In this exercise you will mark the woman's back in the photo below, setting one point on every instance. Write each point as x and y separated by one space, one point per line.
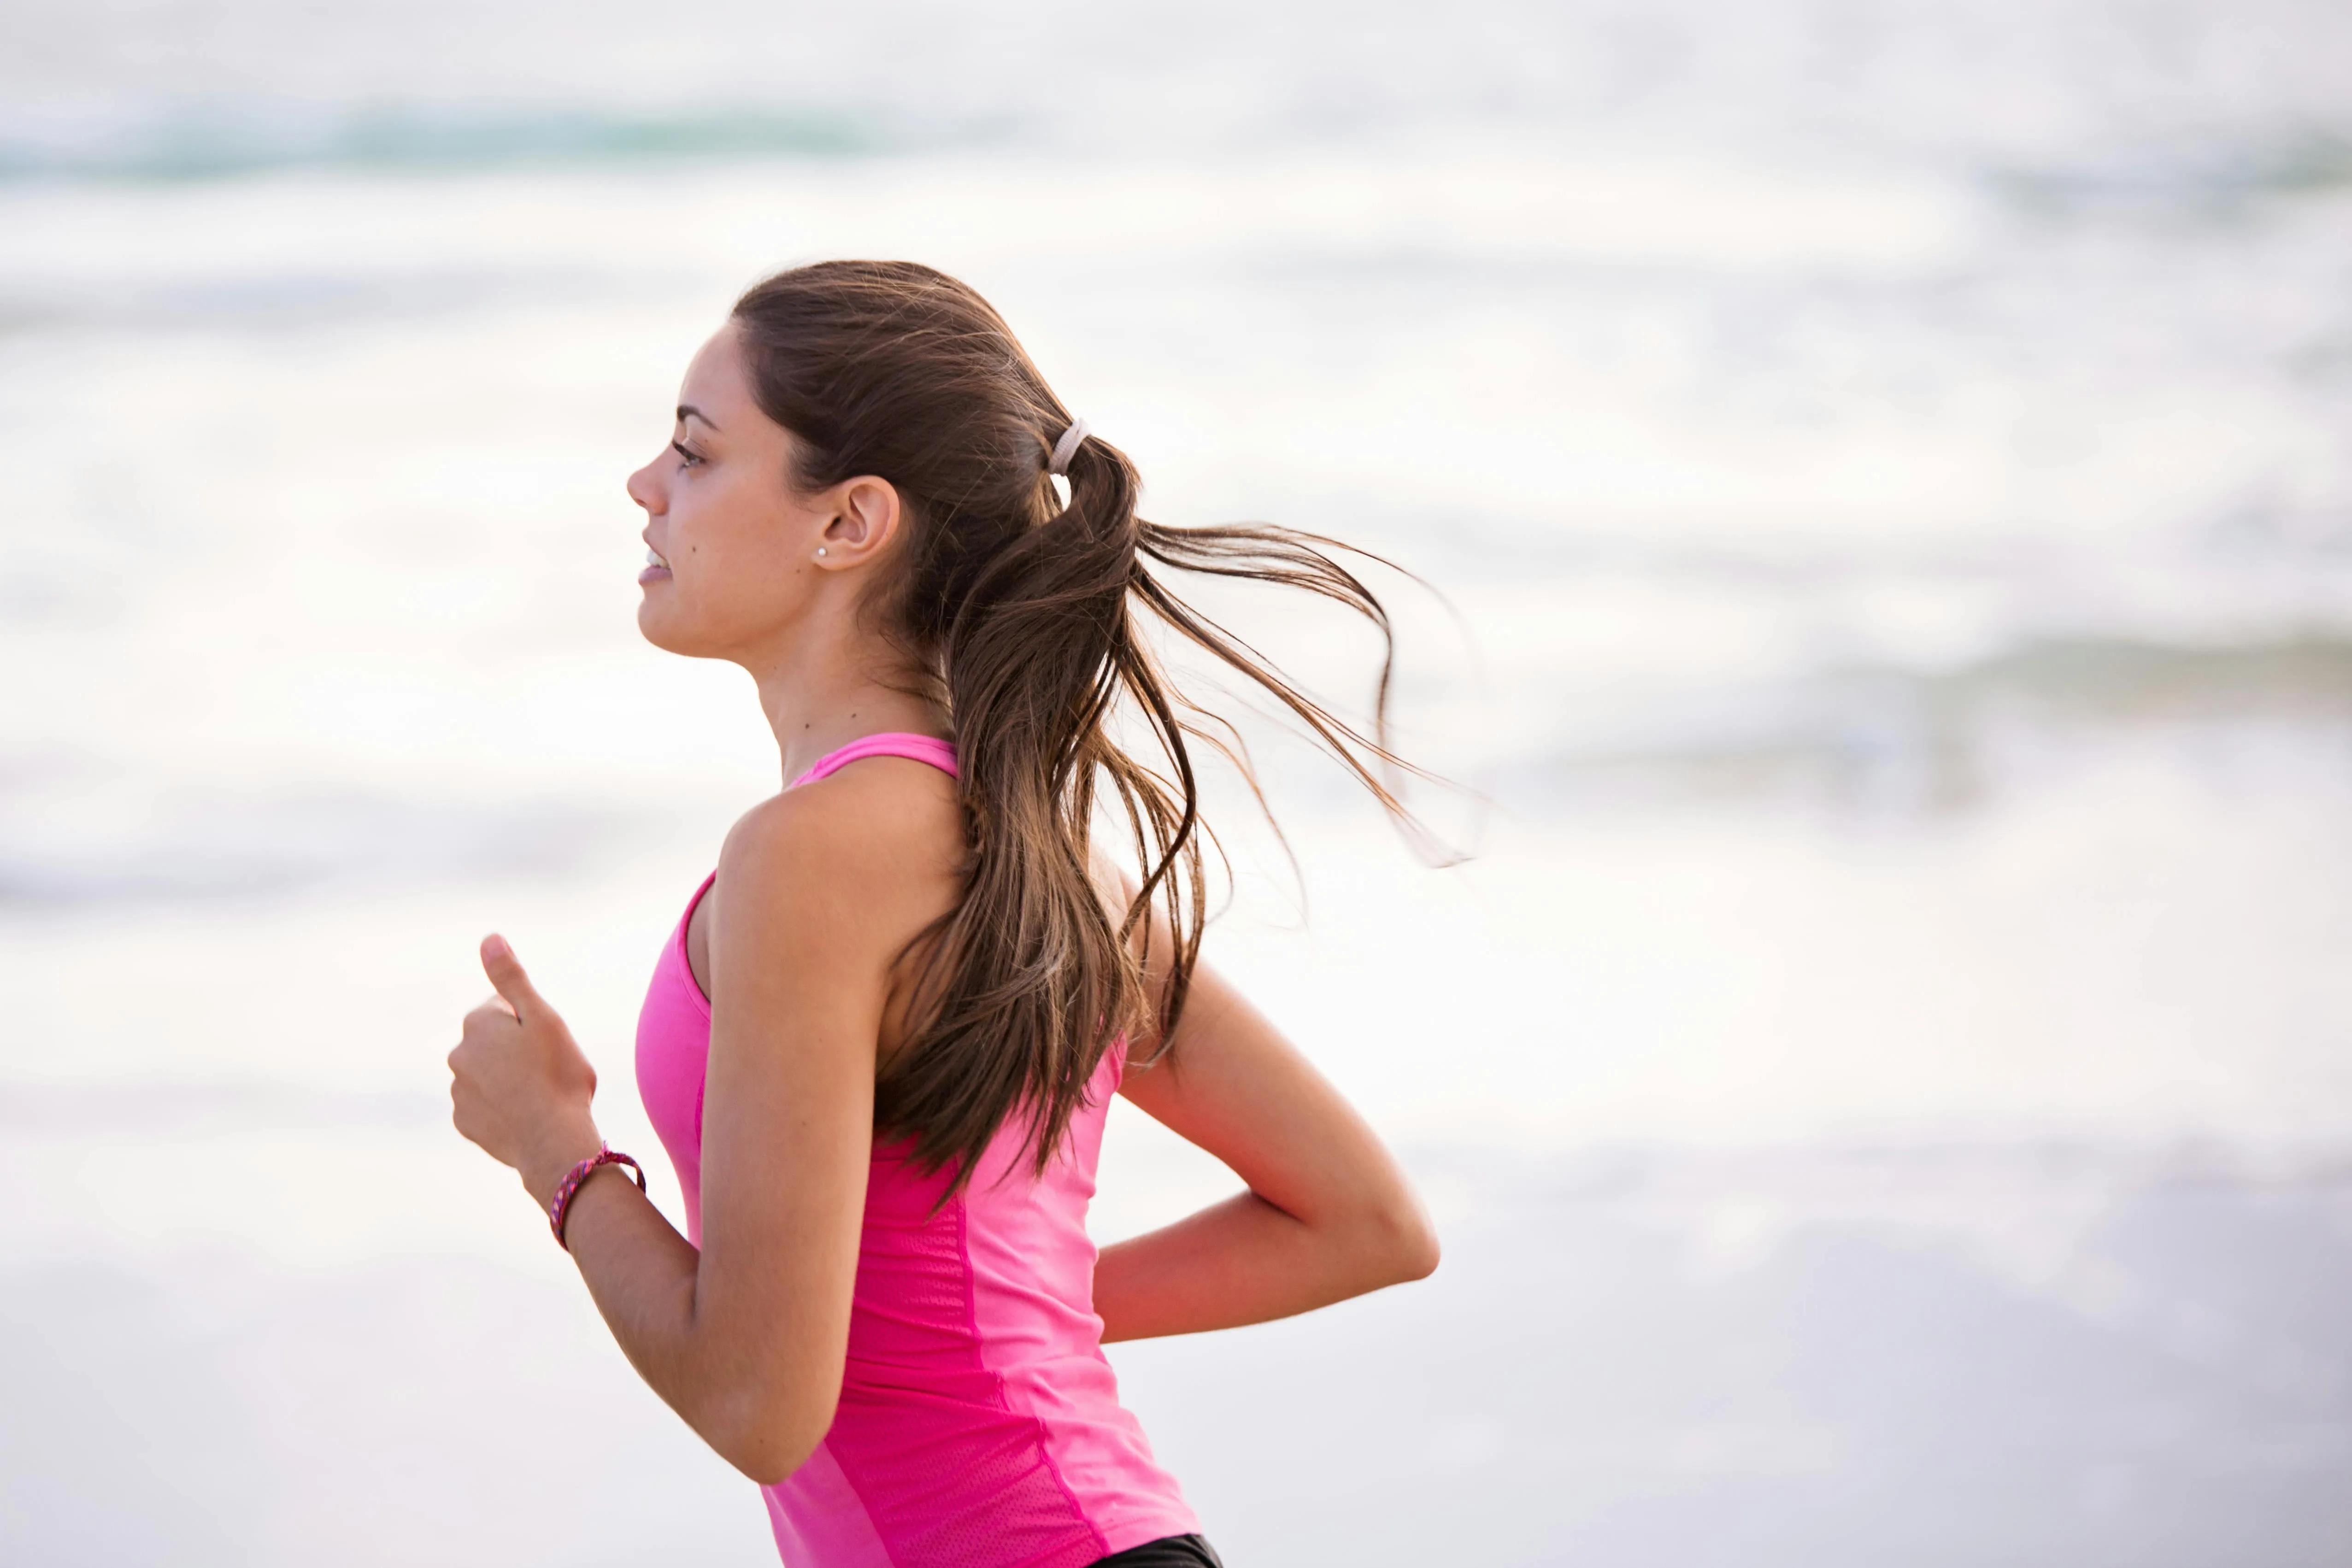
979 1423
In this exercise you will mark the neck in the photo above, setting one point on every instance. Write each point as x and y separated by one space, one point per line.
820 692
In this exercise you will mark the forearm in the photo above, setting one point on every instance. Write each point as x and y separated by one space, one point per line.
645 1280
1246 1261
641 1274
744 1331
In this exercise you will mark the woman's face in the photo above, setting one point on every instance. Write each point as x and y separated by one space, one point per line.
732 545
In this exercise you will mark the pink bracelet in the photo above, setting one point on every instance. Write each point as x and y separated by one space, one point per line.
605 1154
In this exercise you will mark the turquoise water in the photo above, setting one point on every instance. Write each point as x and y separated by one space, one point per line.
1889 461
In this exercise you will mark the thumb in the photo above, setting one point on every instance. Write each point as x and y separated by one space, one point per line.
505 971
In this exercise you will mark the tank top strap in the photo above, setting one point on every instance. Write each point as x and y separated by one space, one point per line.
940 754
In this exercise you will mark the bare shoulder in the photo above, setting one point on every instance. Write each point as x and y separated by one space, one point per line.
879 846
881 806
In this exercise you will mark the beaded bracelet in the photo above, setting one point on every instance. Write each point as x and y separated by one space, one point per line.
605 1154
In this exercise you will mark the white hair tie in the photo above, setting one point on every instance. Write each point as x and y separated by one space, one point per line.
1066 447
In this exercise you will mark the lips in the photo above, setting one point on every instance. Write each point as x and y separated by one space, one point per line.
655 567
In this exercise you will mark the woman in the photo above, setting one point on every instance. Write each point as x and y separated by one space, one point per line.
881 1046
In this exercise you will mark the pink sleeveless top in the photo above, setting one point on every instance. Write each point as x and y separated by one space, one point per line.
979 1425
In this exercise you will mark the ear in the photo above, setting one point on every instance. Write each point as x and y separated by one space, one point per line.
866 517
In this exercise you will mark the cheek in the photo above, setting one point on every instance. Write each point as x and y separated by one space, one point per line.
731 573
708 556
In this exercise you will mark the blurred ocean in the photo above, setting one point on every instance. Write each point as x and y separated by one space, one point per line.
1886 1078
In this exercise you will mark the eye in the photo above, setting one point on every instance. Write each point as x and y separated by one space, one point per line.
685 456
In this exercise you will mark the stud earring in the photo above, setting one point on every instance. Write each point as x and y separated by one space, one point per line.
820 549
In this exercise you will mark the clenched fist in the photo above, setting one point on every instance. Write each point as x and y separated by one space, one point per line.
518 1085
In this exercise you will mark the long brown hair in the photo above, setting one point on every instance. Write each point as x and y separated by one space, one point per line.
1020 614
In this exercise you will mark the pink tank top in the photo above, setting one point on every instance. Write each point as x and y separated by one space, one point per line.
979 1425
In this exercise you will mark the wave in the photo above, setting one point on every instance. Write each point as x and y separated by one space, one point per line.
1910 740
112 844
204 1107
2217 178
210 144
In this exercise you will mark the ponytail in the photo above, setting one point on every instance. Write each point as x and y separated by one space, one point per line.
1022 614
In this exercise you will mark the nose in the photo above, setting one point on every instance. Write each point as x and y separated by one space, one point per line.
644 487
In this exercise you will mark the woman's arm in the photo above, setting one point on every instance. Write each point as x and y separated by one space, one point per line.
1328 1214
816 897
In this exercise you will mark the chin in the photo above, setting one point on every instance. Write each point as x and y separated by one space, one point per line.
658 626
661 622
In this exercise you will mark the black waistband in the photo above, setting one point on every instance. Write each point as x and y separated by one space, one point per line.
1173 1551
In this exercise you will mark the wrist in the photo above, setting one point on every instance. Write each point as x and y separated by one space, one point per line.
544 1168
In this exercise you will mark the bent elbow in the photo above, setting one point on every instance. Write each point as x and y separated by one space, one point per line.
770 1458
768 1469
1417 1252
1406 1243
769 1444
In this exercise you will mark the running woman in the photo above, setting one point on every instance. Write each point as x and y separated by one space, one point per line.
880 1045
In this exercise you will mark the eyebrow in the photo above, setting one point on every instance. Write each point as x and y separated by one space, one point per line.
687 410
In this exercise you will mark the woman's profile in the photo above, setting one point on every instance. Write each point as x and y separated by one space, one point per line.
881 1046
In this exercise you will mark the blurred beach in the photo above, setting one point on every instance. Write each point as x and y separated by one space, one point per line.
1884 1078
